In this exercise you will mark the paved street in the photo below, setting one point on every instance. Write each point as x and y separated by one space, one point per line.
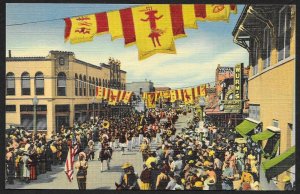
57 179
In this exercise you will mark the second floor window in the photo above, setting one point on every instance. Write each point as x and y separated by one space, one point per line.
25 83
10 84
39 83
266 52
61 84
255 59
284 33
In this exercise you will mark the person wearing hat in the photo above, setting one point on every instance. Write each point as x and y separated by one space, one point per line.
81 166
26 170
287 183
145 149
129 178
198 185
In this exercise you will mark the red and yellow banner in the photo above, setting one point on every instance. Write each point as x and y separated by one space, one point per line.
150 97
152 27
113 96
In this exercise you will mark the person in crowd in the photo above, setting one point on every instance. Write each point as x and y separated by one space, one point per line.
122 140
10 165
227 177
26 168
105 154
287 183
145 178
81 167
162 180
145 149
128 179
246 178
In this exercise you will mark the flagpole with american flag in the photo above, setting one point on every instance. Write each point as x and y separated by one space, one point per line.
69 165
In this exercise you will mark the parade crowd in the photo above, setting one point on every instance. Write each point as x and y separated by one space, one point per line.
185 160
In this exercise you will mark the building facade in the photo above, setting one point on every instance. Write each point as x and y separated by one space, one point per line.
138 88
64 86
223 107
268 34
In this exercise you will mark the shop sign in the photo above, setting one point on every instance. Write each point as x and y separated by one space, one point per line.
238 82
224 70
232 106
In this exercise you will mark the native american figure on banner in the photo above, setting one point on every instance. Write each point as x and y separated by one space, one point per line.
155 32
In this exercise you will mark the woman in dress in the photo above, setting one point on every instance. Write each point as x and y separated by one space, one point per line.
26 170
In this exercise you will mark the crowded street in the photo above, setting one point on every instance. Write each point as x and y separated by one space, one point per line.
190 96
96 179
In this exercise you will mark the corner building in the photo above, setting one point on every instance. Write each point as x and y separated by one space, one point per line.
64 86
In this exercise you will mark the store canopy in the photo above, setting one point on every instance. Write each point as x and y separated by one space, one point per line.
266 134
245 127
279 164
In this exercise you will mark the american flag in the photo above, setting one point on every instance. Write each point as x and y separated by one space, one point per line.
70 162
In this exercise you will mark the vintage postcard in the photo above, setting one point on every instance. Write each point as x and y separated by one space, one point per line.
150 96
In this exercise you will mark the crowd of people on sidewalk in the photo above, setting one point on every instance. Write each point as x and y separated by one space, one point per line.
193 161
185 160
29 155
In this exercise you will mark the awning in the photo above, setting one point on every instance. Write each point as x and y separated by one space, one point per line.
279 164
266 134
245 127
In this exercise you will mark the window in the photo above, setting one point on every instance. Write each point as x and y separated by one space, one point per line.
84 85
61 84
93 87
10 108
39 83
80 85
76 84
254 112
61 61
62 108
10 84
90 86
275 123
27 116
27 121
266 52
100 82
284 33
25 82
255 58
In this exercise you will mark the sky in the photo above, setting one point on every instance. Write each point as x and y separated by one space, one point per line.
195 62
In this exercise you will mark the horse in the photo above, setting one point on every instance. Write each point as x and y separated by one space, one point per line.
105 154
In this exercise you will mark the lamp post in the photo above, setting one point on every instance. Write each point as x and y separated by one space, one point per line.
93 102
202 105
35 102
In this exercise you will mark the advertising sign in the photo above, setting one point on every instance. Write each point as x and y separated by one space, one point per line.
238 82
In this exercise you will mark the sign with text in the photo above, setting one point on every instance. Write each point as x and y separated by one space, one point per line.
238 82
232 106
224 70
